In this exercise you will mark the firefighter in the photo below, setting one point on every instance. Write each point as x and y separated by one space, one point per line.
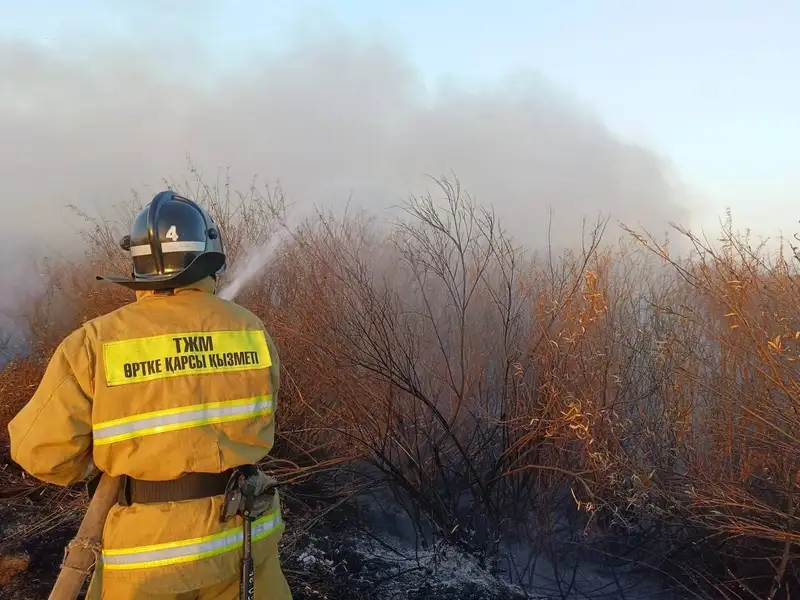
172 393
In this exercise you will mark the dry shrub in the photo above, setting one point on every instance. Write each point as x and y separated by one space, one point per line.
732 415
612 398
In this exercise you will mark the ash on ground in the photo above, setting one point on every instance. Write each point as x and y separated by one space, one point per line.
331 566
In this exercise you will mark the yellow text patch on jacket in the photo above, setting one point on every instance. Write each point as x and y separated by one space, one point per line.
184 353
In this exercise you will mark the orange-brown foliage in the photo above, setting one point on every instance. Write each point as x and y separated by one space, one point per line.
651 394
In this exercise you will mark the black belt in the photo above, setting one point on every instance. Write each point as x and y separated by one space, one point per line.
191 486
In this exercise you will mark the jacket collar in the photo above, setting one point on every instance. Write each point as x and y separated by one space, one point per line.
207 285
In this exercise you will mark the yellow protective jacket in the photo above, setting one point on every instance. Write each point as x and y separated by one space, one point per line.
168 385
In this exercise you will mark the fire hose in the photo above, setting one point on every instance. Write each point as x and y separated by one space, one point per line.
83 551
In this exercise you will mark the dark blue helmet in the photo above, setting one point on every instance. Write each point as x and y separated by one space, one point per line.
173 242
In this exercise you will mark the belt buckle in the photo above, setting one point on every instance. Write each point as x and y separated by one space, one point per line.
234 502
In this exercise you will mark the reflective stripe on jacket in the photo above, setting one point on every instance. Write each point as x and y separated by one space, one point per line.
167 385
183 551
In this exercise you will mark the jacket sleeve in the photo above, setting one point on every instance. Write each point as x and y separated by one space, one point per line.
51 437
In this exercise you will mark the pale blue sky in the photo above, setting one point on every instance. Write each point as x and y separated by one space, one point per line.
712 84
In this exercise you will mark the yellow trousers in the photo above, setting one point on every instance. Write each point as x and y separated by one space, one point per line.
270 584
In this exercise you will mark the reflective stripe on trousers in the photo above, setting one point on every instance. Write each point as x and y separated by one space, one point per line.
184 417
173 553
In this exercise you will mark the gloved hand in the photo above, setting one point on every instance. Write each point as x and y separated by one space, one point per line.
259 490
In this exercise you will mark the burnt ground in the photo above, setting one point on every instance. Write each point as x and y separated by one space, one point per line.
336 559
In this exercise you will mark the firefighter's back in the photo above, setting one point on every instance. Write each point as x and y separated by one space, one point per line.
185 384
187 378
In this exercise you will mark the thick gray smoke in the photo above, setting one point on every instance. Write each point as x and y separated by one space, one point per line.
328 119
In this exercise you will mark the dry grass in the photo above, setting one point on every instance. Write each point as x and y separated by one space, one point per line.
650 403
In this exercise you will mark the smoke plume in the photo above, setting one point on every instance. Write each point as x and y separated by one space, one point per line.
331 119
